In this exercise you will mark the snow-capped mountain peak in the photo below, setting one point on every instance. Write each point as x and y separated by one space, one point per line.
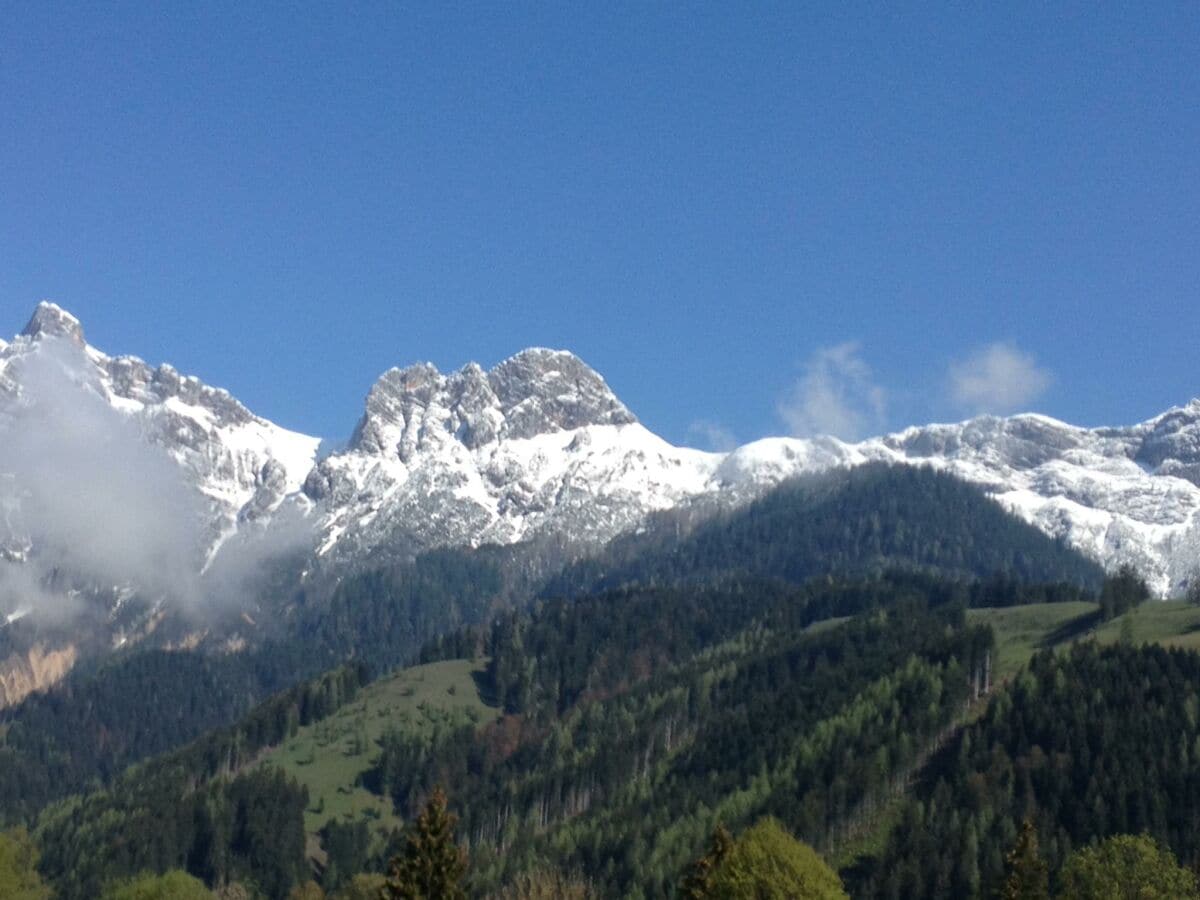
50 319
537 391
537 446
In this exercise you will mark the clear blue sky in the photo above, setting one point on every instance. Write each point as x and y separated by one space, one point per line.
757 217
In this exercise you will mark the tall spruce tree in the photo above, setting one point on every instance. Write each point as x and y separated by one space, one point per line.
697 883
431 866
1028 877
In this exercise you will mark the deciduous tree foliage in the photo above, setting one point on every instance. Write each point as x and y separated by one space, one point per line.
19 878
1126 867
698 882
767 863
174 885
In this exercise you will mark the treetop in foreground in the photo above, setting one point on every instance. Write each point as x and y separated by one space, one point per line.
1126 867
767 863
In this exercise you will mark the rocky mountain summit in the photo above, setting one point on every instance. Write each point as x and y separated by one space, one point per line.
539 447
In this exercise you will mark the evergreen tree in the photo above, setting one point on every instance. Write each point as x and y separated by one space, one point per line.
1193 590
1122 592
1027 873
431 866
697 883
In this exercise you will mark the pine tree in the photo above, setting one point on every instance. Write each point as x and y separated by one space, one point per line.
1193 589
698 881
1028 877
431 866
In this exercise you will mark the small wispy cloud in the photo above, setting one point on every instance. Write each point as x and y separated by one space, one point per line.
836 395
712 436
998 378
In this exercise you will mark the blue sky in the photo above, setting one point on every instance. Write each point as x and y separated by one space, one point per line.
752 219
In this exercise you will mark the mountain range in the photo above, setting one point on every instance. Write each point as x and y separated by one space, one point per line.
539 449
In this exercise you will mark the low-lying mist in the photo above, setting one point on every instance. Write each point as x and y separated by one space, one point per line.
86 495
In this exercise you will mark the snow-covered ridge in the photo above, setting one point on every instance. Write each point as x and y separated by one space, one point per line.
539 448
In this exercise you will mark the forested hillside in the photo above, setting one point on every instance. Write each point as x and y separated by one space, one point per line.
733 711
621 761
865 521
1086 743
144 702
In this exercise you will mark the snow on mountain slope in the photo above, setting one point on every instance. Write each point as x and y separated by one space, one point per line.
537 448
1120 495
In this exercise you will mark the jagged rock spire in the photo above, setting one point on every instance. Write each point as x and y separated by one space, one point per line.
51 320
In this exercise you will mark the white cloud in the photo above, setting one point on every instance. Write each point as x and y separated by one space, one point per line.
92 496
836 395
712 436
94 502
998 378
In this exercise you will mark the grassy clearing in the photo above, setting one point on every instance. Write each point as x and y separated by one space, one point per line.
1172 623
1022 630
868 842
329 756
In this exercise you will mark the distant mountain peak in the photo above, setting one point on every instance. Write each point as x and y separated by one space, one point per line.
51 320
536 391
541 389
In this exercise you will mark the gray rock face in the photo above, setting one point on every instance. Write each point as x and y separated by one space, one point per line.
50 320
538 447
547 390
1170 443
536 392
